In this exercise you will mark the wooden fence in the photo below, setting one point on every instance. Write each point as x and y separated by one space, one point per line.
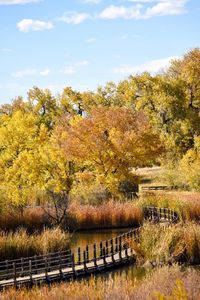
76 262
157 187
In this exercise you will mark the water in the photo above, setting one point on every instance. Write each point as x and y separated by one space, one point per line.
83 238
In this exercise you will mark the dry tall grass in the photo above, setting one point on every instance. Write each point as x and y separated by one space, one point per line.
186 205
21 244
107 215
33 219
180 243
164 283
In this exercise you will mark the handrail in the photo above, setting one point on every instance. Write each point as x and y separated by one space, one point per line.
10 270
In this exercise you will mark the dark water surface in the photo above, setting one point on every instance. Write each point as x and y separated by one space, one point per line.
83 238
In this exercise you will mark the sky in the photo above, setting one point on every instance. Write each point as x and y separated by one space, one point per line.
86 43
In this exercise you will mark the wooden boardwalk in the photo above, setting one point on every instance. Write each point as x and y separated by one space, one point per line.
78 262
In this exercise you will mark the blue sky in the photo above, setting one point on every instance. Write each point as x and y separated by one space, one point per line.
85 43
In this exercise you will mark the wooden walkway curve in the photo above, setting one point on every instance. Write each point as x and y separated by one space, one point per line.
79 262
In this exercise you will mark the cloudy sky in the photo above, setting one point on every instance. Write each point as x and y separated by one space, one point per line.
85 43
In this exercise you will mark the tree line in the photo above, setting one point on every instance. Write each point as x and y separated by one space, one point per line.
52 147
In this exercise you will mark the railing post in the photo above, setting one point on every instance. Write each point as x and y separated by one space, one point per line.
22 265
104 256
126 252
87 253
95 255
111 246
30 271
46 268
101 249
60 264
116 244
14 274
70 256
120 248
160 213
106 247
73 263
35 260
84 260
6 262
79 255
120 243
165 214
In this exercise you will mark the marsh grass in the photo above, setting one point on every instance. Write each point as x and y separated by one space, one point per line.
32 219
107 215
21 244
166 283
179 243
188 208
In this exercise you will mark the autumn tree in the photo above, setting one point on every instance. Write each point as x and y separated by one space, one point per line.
18 140
75 102
32 162
110 142
44 105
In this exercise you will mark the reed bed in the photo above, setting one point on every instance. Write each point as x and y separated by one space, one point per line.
166 283
21 244
187 206
179 243
31 218
111 214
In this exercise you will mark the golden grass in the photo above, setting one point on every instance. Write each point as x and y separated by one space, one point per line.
21 244
179 243
33 219
110 214
187 205
163 283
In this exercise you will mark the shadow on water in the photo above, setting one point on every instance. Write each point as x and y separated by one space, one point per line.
83 238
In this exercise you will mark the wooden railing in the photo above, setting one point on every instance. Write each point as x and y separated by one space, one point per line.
79 261
157 187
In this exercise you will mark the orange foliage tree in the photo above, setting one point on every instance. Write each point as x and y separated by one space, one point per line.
110 142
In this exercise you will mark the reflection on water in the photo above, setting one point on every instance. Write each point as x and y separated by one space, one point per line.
81 239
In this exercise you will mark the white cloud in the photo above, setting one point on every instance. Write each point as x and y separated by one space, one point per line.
30 72
141 11
73 69
91 40
74 18
24 73
45 72
13 2
166 8
153 66
113 12
27 25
